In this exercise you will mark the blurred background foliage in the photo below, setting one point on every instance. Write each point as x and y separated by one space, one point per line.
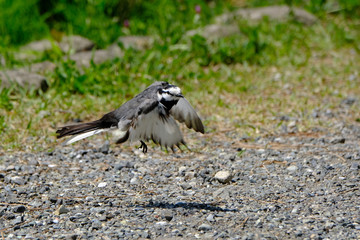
102 20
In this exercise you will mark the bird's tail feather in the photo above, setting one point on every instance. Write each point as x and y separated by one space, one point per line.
77 129
84 130
84 135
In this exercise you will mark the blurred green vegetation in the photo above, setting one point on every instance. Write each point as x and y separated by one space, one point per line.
102 20
317 59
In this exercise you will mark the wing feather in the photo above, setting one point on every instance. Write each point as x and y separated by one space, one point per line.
155 125
184 112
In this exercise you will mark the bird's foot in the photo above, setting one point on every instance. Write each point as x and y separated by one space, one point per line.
143 146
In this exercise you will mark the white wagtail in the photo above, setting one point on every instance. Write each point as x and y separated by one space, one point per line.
149 115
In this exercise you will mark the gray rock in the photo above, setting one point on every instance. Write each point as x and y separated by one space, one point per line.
102 184
83 59
67 43
186 186
75 43
123 164
168 215
223 176
329 224
61 210
280 13
204 227
215 31
292 168
105 147
182 170
40 67
19 209
223 193
38 46
17 180
210 218
337 140
23 78
134 181
18 220
355 166
136 42
96 224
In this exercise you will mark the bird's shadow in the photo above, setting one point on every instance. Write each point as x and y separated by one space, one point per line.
186 205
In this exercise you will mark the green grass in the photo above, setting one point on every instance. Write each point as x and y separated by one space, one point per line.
242 84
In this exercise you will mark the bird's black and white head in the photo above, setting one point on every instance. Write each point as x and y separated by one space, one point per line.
169 95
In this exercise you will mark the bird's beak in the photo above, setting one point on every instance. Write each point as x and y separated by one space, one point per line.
180 95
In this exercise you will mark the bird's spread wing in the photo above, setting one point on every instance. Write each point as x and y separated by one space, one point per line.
184 112
152 122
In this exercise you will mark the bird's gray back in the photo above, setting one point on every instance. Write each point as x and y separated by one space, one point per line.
129 109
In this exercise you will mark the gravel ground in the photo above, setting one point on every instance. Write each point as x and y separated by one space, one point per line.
289 186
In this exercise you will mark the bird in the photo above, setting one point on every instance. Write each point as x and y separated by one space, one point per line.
150 115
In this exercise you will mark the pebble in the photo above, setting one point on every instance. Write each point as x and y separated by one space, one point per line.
204 227
124 164
210 218
337 140
61 210
223 176
355 166
162 223
96 224
182 170
18 220
105 147
168 215
102 184
134 181
18 180
19 209
292 168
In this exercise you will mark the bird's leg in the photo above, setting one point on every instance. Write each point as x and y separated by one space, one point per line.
143 146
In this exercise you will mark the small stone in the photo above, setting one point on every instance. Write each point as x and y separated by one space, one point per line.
168 215
210 218
19 209
134 181
10 168
123 164
223 193
329 224
61 210
18 220
182 170
102 184
337 140
223 176
18 180
348 101
292 168
186 186
295 210
96 224
144 170
162 223
105 147
355 166
204 227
